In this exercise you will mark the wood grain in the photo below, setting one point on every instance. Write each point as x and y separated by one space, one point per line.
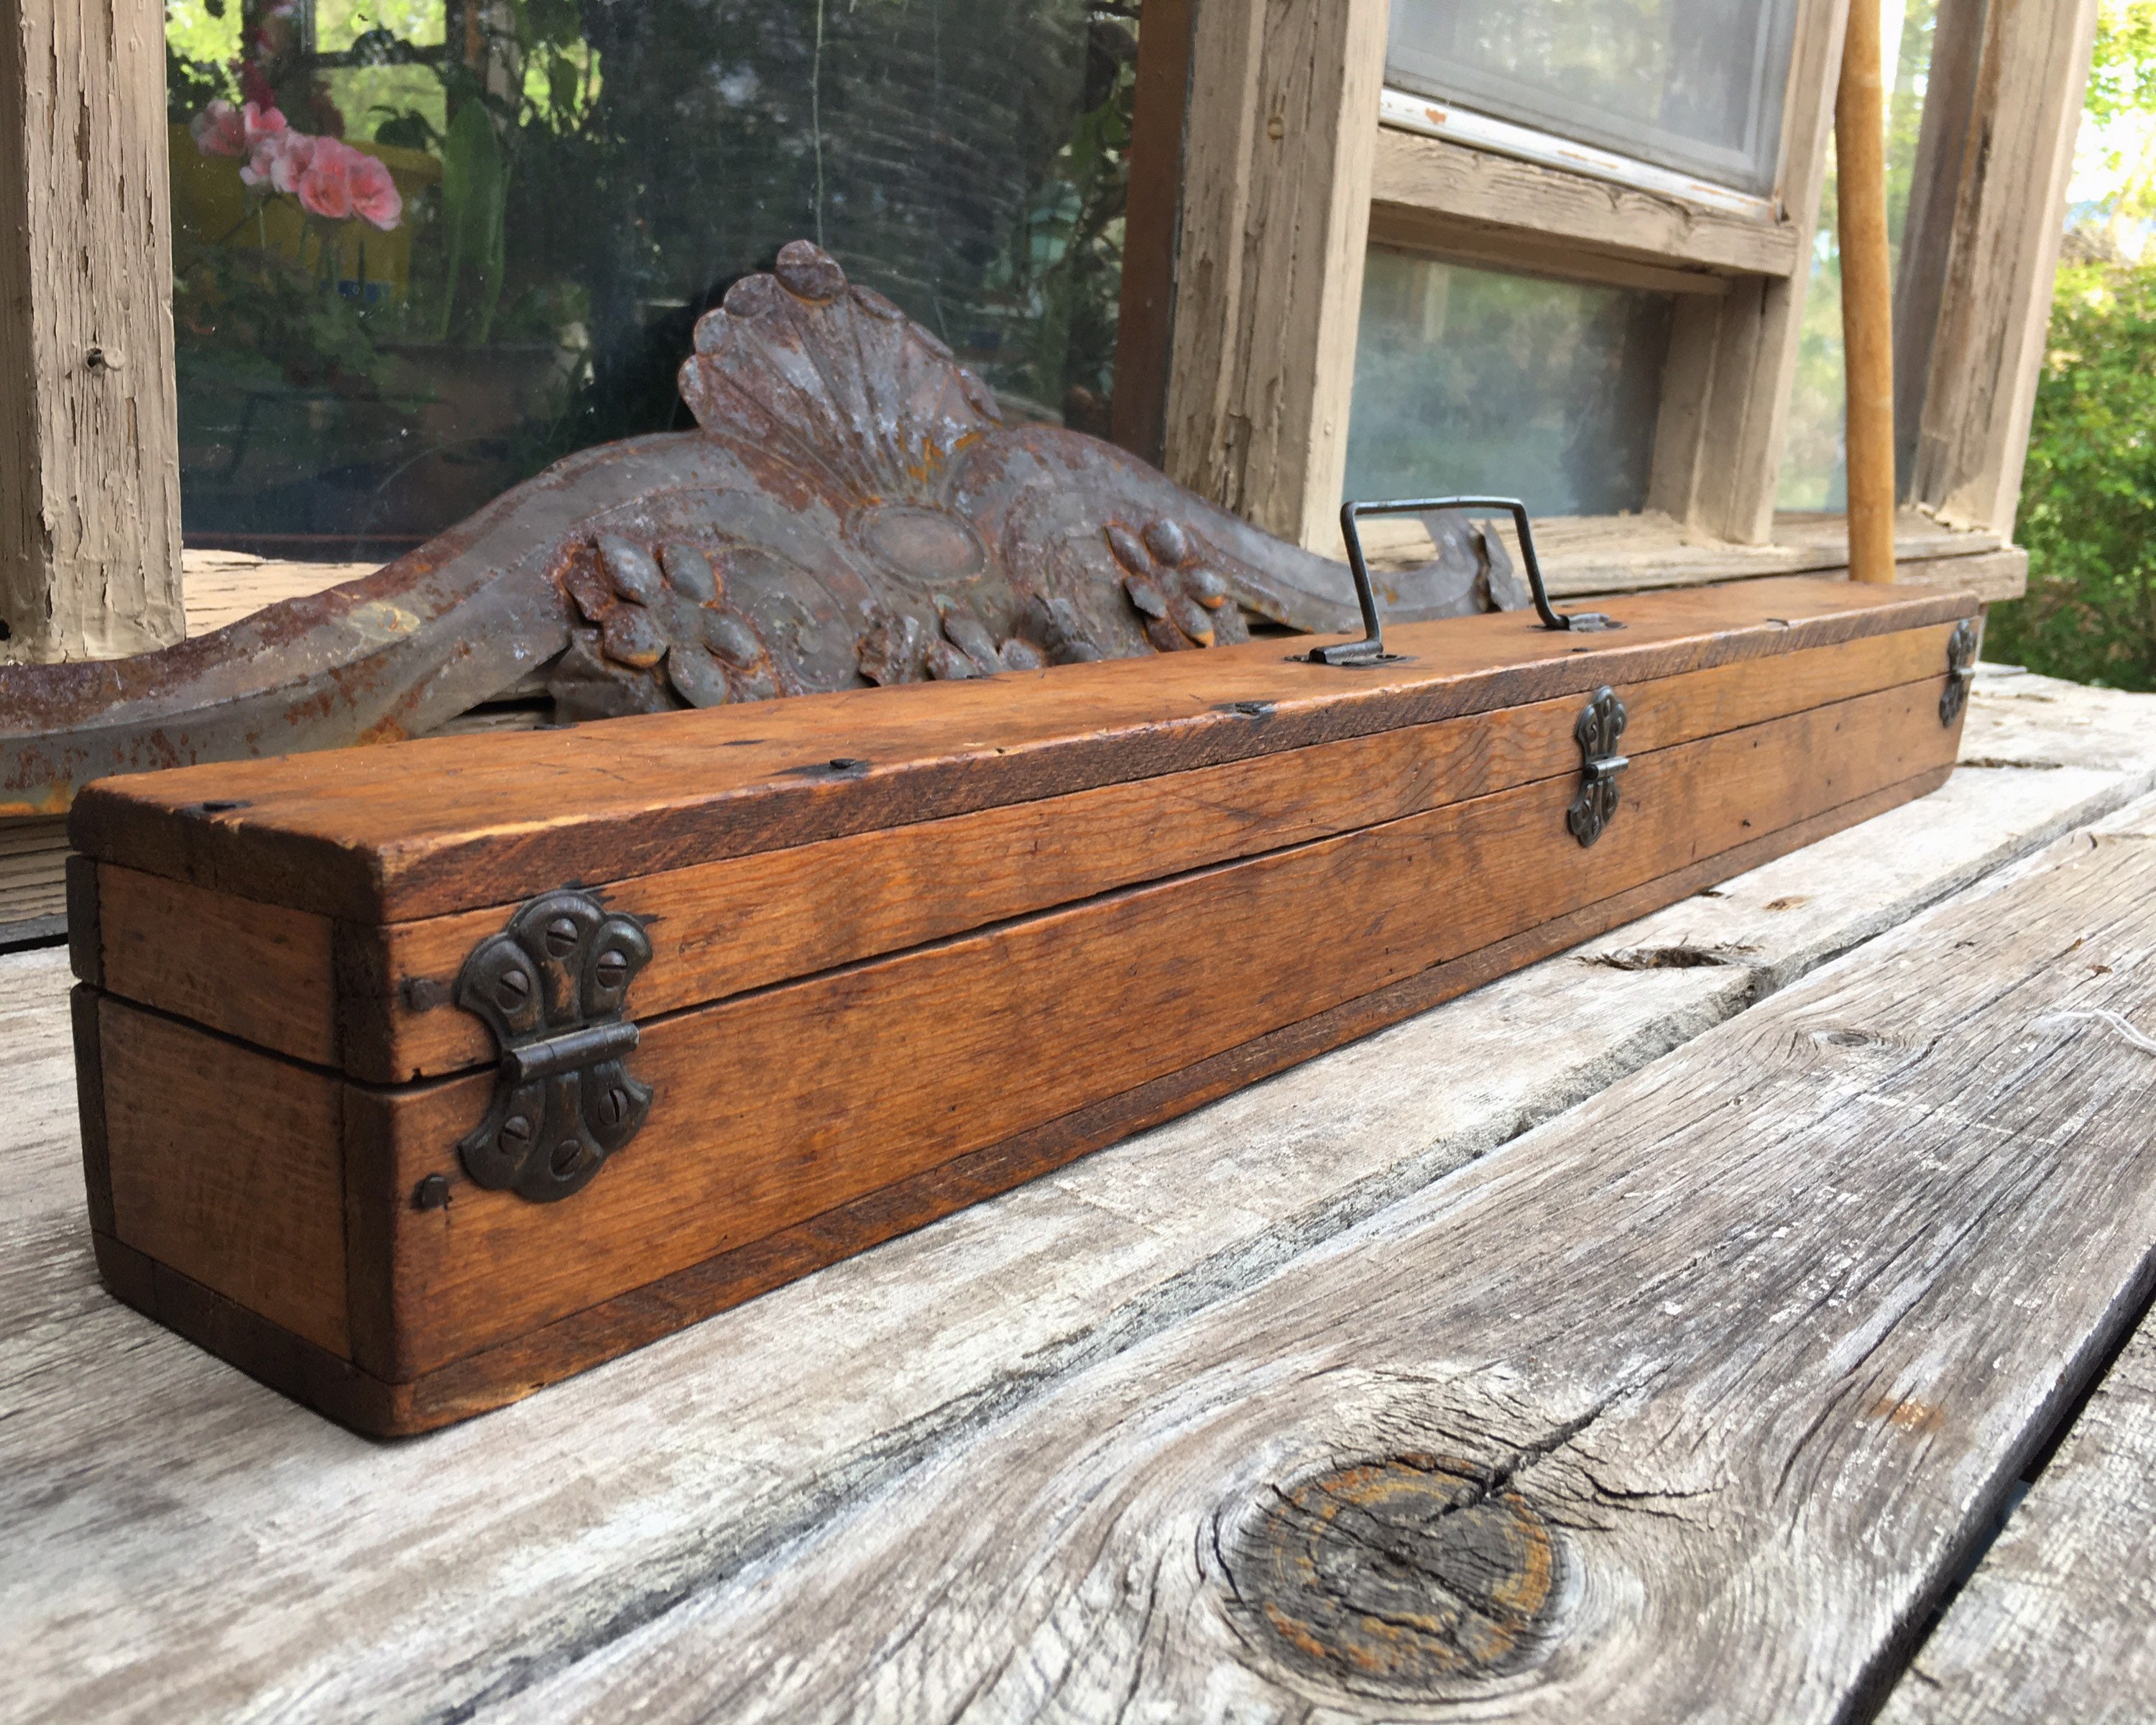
259 971
1753 1343
516 1367
776 1107
89 465
1426 175
1988 347
2059 1621
1153 207
184 1543
1277 148
227 1167
424 828
382 1010
1928 229
724 927
1867 296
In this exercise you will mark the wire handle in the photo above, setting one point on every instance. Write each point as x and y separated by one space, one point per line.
1370 648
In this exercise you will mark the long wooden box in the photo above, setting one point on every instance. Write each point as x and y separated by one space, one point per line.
907 948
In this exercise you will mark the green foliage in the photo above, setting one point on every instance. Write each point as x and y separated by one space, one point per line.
474 195
2122 79
2088 496
255 316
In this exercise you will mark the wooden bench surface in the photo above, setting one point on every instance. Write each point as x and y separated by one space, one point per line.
1719 1306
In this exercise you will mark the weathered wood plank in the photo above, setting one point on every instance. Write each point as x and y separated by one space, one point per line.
1988 343
1498 195
89 459
1277 148
1721 1373
2059 1621
184 1543
1726 392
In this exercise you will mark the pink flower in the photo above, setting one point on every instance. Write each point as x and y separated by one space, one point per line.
330 179
221 130
374 193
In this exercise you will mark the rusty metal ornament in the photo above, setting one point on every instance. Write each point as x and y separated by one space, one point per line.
553 988
853 509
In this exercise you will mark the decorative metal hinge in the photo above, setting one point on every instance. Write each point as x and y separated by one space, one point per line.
1601 722
1961 670
551 986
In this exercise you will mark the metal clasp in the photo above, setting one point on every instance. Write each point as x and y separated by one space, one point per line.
1370 648
553 986
1600 723
1961 670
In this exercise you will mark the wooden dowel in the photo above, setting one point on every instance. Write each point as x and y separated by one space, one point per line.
1867 296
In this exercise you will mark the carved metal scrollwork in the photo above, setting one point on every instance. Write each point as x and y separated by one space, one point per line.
553 986
1961 670
1600 725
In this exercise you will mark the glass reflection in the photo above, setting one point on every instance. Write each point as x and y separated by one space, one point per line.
422 248
1695 85
1473 380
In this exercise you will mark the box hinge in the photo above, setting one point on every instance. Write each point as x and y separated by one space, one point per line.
553 986
1601 722
1961 670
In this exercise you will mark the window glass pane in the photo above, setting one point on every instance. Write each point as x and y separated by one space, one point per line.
517 209
1469 380
1695 85
1814 473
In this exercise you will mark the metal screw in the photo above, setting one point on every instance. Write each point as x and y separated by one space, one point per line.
611 969
561 935
567 1155
512 989
431 1193
516 1135
614 1105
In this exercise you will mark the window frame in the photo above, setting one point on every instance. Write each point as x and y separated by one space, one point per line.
1256 351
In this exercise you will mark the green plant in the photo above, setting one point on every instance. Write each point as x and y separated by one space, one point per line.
2088 495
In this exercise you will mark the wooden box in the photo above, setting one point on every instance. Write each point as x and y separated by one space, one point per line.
414 1078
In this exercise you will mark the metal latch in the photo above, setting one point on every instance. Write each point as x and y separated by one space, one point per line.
1601 722
1961 670
553 986
1370 648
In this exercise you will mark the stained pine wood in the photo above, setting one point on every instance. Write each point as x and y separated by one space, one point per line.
431 1578
2059 1621
439 825
381 1011
784 1104
260 972
1708 1388
227 1167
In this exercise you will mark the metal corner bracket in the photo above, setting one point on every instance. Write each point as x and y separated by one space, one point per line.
551 986
1600 723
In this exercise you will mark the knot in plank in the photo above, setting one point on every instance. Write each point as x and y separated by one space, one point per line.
1396 1576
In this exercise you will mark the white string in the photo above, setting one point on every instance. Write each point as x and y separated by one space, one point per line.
2116 1021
